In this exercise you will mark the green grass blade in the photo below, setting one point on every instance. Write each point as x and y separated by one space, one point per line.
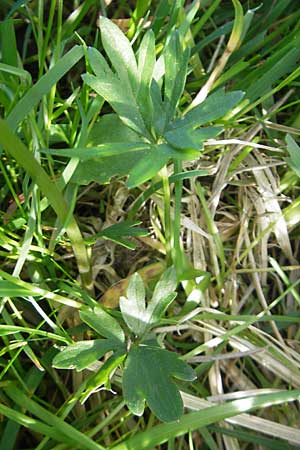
43 86
147 440
61 427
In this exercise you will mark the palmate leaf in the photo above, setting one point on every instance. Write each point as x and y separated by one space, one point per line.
149 376
83 353
137 316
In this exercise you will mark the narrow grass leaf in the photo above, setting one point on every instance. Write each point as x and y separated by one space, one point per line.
43 86
61 427
189 422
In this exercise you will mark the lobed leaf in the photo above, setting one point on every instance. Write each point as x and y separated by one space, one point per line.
188 138
214 107
146 62
149 376
133 307
104 324
119 51
83 353
120 99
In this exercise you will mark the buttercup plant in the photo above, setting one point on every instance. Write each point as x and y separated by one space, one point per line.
149 370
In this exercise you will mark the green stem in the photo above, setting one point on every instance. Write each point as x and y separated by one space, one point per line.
22 155
167 213
178 255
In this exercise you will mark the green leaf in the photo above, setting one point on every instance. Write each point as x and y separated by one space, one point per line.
102 377
159 155
162 433
99 64
133 307
83 353
10 289
120 99
214 107
101 170
294 151
43 86
103 323
149 376
164 293
109 129
176 61
119 51
160 113
117 232
146 62
188 138
144 170
101 151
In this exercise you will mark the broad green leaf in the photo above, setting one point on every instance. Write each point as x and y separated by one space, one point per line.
159 156
101 151
146 62
102 377
133 307
83 353
294 151
156 310
166 285
149 376
160 113
163 295
188 138
120 99
102 170
214 107
120 53
99 64
103 323
109 129
176 61
144 170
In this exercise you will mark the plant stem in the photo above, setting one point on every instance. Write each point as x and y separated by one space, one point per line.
167 213
177 254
